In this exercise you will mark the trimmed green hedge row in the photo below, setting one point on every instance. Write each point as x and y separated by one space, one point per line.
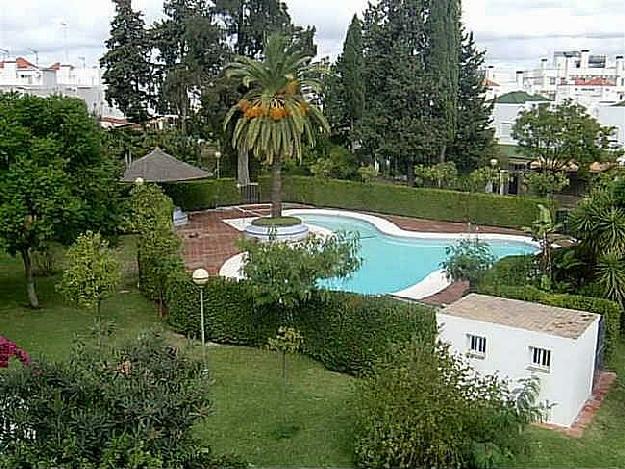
200 195
609 310
434 204
345 332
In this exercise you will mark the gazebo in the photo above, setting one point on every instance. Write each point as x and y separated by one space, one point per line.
160 167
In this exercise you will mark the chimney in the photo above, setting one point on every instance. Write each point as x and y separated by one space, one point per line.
490 73
584 58
519 78
620 65
543 64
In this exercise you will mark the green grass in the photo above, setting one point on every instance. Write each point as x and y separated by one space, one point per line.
277 221
309 425
253 417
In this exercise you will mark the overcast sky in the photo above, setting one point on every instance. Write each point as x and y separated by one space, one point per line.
515 33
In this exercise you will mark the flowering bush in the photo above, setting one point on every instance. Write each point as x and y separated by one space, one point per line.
9 349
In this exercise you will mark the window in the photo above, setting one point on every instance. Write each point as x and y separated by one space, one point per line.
540 358
477 345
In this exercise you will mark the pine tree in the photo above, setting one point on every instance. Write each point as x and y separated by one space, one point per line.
444 36
128 71
474 136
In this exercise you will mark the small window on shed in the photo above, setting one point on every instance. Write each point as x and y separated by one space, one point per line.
477 345
540 358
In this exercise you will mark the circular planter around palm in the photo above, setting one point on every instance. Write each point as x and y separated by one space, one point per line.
277 229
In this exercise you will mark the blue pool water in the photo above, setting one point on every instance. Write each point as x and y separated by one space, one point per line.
392 263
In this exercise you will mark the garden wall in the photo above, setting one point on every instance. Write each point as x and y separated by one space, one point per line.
434 204
345 332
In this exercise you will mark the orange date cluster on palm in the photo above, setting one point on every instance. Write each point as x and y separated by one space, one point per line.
276 112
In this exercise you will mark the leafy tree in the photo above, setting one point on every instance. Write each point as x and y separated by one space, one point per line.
275 119
367 173
55 179
562 136
286 275
444 36
92 272
468 260
131 407
425 407
287 341
126 63
545 184
473 140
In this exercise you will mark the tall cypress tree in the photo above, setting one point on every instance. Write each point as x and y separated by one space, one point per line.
128 71
474 136
444 35
345 86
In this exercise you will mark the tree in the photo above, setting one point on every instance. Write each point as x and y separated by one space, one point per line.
440 175
126 63
129 407
55 179
275 119
425 407
546 184
286 275
345 92
562 136
444 36
468 260
473 140
399 127
92 272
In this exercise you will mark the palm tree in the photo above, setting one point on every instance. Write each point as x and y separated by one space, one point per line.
275 118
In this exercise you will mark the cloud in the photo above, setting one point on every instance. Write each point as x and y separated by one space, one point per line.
515 33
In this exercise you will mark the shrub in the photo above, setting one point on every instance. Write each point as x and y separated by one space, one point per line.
610 311
468 260
513 271
130 407
434 204
200 195
424 407
345 332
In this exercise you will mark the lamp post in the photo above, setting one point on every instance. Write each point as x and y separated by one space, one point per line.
218 158
200 278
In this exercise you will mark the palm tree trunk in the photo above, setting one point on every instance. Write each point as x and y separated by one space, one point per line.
243 168
33 300
276 187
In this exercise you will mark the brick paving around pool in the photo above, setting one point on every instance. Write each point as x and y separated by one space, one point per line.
208 242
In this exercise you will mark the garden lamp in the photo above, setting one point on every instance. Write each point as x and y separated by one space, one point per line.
200 278
218 158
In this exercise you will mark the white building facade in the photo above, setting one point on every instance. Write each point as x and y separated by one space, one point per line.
517 339
85 83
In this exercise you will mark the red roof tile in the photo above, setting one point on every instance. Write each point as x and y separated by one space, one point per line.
598 81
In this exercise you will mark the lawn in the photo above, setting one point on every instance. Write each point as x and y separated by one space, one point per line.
253 417
309 425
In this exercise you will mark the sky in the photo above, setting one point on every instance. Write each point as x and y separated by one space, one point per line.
515 34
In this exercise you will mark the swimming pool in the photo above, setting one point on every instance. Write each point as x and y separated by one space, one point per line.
395 260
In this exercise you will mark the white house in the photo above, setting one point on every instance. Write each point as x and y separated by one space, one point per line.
613 116
517 339
21 76
507 109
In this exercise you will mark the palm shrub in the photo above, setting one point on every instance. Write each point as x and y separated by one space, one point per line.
275 119
131 407
424 407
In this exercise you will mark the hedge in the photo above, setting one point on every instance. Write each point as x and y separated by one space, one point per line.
435 204
199 195
345 332
608 310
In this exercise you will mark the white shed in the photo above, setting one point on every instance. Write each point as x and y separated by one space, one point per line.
518 339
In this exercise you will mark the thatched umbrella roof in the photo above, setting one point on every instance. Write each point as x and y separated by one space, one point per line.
158 166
